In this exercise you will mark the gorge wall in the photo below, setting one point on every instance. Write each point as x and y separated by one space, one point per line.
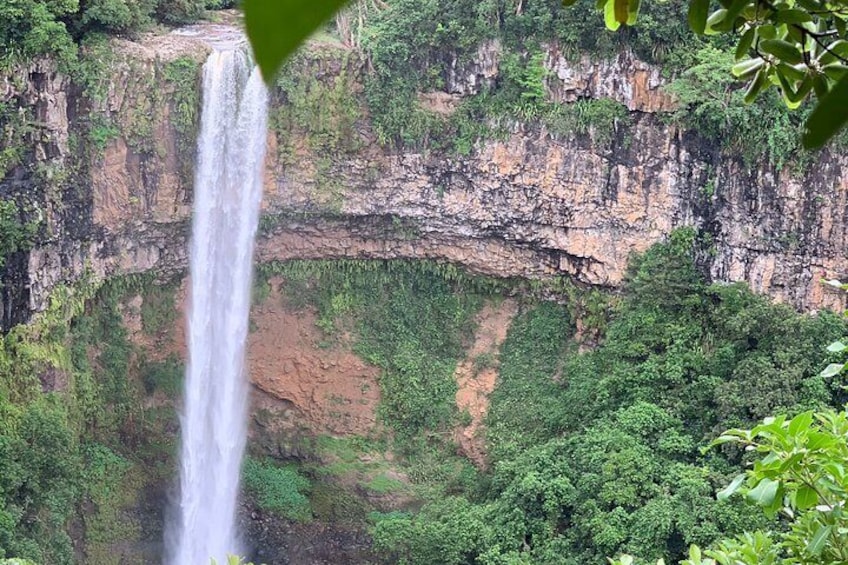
107 179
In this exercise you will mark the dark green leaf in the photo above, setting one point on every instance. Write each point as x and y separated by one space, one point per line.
793 96
840 26
698 11
620 7
820 85
795 33
783 50
276 28
733 12
757 85
835 71
633 11
745 43
767 31
833 53
790 72
793 16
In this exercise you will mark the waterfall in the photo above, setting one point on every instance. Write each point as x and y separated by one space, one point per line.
228 189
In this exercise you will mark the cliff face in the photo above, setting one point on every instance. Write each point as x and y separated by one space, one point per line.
530 204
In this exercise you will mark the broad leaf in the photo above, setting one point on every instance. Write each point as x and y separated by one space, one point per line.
747 68
829 116
276 28
806 497
609 16
800 423
783 50
831 370
745 43
793 16
819 541
836 347
698 11
764 493
621 10
757 85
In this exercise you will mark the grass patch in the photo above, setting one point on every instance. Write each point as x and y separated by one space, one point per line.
382 484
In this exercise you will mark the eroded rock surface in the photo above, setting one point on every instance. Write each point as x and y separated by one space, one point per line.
477 375
532 205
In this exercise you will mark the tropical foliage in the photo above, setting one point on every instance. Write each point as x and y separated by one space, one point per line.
31 28
799 47
591 454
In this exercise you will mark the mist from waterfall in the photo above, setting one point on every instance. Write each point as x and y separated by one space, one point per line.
227 193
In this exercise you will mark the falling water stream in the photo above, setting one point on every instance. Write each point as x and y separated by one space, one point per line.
228 188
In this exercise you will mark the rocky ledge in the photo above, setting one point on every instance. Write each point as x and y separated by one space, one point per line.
531 204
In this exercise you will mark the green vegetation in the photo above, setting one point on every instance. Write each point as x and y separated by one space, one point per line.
800 474
800 49
411 319
590 454
31 28
185 74
324 109
596 454
15 235
74 432
158 307
419 47
166 376
277 489
16 127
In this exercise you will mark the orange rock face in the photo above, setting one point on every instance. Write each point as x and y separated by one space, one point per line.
477 376
290 359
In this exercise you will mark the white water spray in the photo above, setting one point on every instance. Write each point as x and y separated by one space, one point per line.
228 189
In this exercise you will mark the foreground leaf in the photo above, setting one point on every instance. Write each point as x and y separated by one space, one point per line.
276 28
698 11
819 540
764 493
831 370
829 116
728 491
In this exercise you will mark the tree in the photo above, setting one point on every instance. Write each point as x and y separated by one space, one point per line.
801 476
798 46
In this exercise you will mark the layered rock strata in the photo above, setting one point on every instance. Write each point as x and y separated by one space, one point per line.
531 205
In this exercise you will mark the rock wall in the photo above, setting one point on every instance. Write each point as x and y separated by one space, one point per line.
532 205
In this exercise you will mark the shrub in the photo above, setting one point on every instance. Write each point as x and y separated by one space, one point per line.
281 490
